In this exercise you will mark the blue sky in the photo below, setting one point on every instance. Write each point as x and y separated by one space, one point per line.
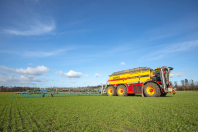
47 43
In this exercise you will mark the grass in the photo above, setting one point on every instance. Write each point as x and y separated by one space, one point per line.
99 113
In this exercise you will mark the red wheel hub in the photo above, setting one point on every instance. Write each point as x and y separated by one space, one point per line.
111 91
121 91
151 90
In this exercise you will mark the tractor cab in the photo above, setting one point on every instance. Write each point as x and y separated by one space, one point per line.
163 74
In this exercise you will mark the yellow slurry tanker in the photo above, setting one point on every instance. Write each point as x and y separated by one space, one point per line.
142 80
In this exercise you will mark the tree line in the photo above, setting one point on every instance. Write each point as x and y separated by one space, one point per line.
186 85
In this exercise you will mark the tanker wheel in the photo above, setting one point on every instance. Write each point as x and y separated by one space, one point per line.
152 90
122 90
111 91
163 94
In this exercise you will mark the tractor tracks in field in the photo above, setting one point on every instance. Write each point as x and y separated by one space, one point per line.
22 121
52 121
3 116
32 118
14 113
2 109
10 118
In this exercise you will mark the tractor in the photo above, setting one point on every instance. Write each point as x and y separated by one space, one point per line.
141 80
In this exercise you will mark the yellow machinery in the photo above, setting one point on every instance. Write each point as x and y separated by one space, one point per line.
142 80
135 75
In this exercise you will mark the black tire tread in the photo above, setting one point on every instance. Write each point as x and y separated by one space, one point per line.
114 90
163 94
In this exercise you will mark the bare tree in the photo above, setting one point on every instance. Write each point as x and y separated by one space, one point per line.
186 84
182 82
1 88
191 84
175 82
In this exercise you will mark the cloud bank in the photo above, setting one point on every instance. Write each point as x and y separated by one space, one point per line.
97 75
35 28
27 76
178 74
122 63
70 74
30 64
23 79
32 71
166 50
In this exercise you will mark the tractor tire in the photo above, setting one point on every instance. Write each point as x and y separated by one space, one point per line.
122 90
163 94
152 90
111 91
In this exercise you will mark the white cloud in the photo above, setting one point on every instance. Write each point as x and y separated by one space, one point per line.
174 28
186 69
2 73
170 49
73 74
122 63
7 69
44 53
70 74
35 28
87 81
46 74
178 74
24 76
33 71
30 64
97 75
62 80
38 53
86 75
71 81
23 79
192 75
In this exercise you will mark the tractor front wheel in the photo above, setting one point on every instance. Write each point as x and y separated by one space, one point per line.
152 90
111 91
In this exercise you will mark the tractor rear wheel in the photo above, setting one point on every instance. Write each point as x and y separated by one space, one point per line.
111 91
152 90
122 90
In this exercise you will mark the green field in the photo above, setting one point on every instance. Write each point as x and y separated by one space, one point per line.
100 113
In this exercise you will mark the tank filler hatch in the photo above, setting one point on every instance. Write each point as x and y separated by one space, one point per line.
131 71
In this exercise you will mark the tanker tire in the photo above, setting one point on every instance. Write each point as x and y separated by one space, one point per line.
113 91
124 89
163 94
157 90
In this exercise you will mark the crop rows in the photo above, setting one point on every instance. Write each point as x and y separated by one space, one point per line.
99 113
